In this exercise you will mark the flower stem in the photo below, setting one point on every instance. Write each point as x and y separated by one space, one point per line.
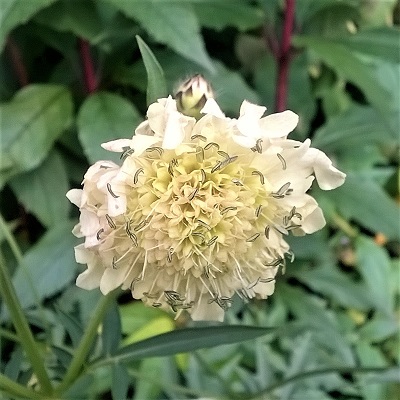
284 57
87 64
86 342
17 390
343 225
21 326
9 335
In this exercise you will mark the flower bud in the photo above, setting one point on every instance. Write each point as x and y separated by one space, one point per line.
192 95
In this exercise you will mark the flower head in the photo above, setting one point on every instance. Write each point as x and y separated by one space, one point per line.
198 210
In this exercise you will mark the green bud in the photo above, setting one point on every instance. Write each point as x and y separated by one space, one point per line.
192 95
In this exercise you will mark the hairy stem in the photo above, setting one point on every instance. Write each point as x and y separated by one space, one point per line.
284 57
17 390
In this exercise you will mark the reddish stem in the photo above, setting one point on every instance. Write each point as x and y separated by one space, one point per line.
17 62
284 57
89 73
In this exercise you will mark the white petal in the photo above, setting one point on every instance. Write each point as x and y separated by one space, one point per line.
90 278
82 255
328 177
75 196
244 141
203 311
279 124
174 131
141 142
314 221
252 110
116 145
211 107
111 279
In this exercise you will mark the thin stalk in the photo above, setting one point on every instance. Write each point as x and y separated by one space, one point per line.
344 226
284 57
9 335
89 73
85 344
20 260
28 342
15 389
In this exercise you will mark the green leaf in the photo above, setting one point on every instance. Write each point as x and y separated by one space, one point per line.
145 389
30 124
42 190
351 66
70 324
67 16
220 14
379 328
120 382
49 265
374 265
156 85
367 203
171 22
229 86
185 340
103 117
329 281
380 42
16 12
355 127
111 332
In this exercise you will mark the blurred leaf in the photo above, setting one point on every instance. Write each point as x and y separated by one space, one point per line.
379 328
30 123
50 265
42 190
299 357
111 332
185 340
367 203
145 389
120 382
374 265
380 42
103 117
78 17
156 86
351 66
229 86
219 14
170 22
71 325
16 12
355 127
370 356
329 281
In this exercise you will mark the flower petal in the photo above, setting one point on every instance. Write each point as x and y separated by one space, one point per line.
279 124
118 146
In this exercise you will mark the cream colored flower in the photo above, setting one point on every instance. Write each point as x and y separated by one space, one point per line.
198 210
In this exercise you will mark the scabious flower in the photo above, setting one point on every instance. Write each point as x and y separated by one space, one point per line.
199 209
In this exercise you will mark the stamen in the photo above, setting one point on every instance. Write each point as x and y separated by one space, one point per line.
211 144
111 192
282 160
253 238
111 223
262 179
201 137
136 176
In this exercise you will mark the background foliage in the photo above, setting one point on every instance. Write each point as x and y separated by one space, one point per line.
74 76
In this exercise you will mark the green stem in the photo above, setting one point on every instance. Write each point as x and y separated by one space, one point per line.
343 225
20 260
21 326
310 374
9 335
11 241
14 388
85 344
